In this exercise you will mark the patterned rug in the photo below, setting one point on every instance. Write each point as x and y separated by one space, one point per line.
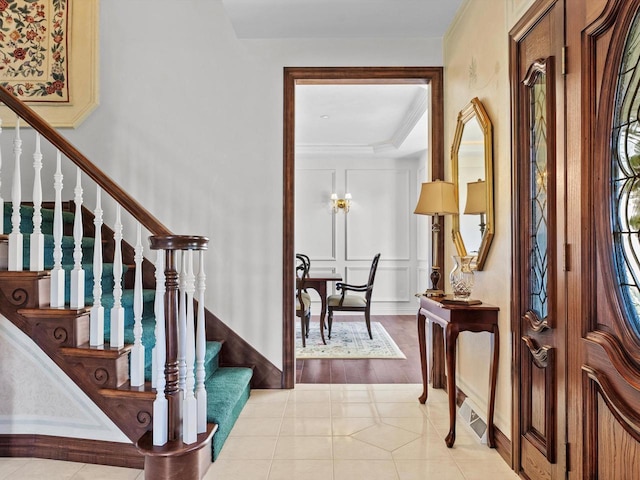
348 340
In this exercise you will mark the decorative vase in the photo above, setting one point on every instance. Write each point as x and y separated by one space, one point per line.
461 277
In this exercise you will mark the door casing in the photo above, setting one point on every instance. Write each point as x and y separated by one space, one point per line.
346 76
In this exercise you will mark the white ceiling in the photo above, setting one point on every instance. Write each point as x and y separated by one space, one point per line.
388 121
340 18
381 120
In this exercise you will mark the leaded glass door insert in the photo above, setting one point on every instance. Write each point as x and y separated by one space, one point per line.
625 177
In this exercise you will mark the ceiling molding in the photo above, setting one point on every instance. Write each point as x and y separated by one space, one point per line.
414 114
271 19
337 150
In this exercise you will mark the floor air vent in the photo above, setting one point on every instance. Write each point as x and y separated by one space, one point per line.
473 421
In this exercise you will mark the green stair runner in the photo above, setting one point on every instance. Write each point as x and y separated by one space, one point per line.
227 387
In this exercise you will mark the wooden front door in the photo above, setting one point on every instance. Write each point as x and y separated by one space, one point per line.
539 310
604 285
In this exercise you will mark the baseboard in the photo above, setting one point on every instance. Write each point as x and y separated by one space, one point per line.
503 446
72 450
237 351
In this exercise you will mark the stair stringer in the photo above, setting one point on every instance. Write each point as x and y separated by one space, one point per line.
238 352
59 335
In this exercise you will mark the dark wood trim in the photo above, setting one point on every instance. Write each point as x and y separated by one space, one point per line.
519 176
600 180
516 331
238 352
542 358
503 446
607 362
353 76
71 450
625 414
176 459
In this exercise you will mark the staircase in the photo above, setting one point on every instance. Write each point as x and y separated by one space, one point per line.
102 372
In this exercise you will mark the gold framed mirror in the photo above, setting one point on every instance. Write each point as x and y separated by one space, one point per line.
472 170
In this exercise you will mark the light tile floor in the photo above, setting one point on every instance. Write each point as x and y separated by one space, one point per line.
324 432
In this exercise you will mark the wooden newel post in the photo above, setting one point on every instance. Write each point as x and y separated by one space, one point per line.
170 244
172 390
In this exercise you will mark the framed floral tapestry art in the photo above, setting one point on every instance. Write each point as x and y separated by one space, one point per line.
48 57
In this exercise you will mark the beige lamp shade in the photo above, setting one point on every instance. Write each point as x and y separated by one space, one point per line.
476 198
437 198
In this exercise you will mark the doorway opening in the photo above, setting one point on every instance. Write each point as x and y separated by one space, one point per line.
431 76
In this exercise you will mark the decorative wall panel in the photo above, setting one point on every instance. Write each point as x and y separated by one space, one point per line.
382 196
391 283
315 223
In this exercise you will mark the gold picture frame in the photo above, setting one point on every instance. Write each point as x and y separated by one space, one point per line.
82 71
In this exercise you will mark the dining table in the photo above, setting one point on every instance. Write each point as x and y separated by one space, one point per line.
318 281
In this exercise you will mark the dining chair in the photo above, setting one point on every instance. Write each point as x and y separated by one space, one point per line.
303 299
354 303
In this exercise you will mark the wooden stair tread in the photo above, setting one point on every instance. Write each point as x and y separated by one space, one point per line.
102 351
24 274
144 392
54 311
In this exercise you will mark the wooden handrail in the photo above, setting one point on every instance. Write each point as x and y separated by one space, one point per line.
141 214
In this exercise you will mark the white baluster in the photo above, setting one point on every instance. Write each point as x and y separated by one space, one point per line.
77 274
159 332
15 237
36 244
182 324
117 311
137 351
160 414
96 329
201 340
57 274
189 410
1 199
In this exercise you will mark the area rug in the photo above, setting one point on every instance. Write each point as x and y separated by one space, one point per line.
348 340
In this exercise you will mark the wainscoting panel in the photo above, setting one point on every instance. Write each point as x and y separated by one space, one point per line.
380 220
391 283
315 222
384 197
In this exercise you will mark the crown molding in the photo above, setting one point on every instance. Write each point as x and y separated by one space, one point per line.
414 113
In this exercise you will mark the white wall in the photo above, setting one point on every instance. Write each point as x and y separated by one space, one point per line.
190 123
477 65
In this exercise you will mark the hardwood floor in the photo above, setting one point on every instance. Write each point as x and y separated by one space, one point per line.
402 329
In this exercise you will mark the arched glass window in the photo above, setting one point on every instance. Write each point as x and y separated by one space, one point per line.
625 176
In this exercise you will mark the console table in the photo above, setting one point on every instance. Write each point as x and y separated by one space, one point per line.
455 319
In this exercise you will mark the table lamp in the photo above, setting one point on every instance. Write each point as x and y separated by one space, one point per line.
436 198
477 201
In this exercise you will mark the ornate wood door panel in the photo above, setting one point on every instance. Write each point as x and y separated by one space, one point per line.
607 337
538 313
